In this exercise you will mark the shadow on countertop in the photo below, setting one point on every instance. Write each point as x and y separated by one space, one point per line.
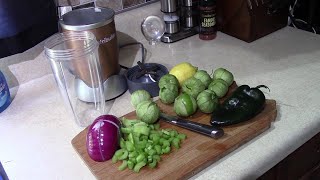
27 55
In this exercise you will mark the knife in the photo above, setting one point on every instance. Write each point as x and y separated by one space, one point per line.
211 131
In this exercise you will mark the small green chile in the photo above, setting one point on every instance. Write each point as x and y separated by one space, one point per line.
203 76
242 105
224 74
139 96
207 101
185 105
218 87
193 87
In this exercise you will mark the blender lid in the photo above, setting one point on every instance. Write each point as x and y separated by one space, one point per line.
86 19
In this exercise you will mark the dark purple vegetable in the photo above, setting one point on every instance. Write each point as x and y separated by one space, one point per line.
103 137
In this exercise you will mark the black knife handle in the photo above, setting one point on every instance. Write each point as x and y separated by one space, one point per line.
214 132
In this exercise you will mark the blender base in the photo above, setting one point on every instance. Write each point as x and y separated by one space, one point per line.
184 33
114 87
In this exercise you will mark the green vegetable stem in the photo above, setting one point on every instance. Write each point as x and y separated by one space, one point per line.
242 105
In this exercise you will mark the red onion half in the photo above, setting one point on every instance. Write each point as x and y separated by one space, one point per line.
103 137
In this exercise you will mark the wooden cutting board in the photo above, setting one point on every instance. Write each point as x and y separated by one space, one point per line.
196 153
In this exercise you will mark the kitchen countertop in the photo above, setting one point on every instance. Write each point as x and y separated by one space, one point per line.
36 130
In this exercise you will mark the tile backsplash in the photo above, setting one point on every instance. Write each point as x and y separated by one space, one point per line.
117 5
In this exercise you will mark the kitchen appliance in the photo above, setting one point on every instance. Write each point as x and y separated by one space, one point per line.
100 22
74 58
145 76
189 13
181 19
152 27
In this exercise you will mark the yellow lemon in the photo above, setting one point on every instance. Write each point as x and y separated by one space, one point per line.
183 71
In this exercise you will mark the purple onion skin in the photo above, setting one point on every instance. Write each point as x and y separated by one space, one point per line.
103 138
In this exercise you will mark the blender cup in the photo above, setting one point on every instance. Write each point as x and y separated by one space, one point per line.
75 64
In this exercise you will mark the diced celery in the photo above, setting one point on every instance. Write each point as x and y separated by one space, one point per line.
126 130
165 143
173 133
157 147
133 154
138 166
140 158
129 146
153 164
123 166
130 164
166 150
182 136
176 142
157 126
122 143
145 130
114 159
156 157
124 155
129 122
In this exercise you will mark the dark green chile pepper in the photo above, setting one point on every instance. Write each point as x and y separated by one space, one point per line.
242 105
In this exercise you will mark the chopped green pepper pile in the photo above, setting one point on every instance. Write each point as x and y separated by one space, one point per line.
143 144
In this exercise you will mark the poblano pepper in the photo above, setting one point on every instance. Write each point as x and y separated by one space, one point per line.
242 105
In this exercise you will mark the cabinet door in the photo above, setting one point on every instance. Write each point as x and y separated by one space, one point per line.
299 164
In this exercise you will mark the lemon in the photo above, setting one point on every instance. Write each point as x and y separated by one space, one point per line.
183 71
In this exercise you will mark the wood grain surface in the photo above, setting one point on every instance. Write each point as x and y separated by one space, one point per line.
196 153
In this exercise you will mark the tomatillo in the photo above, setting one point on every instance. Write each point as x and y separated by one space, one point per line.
185 105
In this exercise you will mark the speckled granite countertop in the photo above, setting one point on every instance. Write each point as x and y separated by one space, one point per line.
36 131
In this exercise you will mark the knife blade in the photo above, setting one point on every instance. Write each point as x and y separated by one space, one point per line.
211 131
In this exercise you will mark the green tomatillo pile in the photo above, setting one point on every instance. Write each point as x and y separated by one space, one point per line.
201 91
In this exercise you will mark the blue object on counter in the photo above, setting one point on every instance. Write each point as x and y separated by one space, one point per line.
5 98
3 174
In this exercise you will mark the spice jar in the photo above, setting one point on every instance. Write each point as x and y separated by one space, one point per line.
207 26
